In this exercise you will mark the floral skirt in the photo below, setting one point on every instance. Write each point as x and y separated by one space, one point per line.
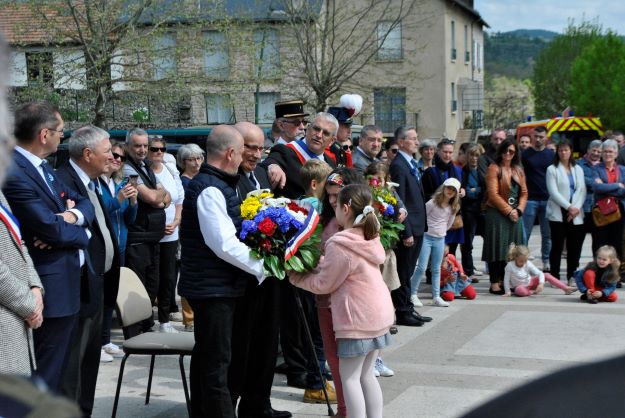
499 233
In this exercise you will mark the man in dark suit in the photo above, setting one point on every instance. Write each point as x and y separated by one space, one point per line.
404 172
256 315
90 157
53 222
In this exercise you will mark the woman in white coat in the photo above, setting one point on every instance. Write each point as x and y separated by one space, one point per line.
567 192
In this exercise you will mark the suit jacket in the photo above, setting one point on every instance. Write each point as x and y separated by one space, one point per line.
95 282
411 193
34 206
17 276
288 160
245 185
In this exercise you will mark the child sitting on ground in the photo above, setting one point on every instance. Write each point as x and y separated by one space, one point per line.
454 282
522 276
597 281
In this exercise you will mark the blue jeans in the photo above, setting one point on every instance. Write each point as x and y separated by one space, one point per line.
434 246
538 208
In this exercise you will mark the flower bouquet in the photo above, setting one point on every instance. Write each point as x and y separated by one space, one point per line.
281 232
385 204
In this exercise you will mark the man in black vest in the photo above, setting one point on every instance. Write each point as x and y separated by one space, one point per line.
142 248
215 269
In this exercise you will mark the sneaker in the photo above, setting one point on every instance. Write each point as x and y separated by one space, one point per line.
546 267
189 328
438 301
376 373
415 301
113 350
105 357
381 368
477 273
317 396
175 317
167 327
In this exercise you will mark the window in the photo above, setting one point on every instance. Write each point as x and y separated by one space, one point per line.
165 61
218 109
39 68
389 108
467 55
389 41
266 106
70 70
267 53
454 102
216 54
453 40
17 66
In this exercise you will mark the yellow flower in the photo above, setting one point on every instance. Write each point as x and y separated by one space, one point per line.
250 207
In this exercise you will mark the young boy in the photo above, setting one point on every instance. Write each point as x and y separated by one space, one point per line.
314 174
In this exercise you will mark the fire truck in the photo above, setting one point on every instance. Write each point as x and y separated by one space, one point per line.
580 130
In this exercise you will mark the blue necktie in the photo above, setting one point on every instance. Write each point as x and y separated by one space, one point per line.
415 168
48 175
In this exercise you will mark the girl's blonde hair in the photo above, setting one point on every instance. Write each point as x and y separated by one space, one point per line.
610 252
517 251
439 198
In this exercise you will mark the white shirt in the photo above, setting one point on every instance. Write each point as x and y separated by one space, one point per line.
85 180
406 157
173 185
520 276
220 235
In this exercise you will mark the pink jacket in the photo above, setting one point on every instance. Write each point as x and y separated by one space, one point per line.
350 270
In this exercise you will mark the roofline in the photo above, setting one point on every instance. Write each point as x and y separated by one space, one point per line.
471 11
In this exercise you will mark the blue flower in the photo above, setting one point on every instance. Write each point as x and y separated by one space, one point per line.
248 227
390 211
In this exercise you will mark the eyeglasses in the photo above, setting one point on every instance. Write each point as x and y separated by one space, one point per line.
318 129
157 149
194 159
59 131
348 147
394 150
296 122
254 149
510 152
119 157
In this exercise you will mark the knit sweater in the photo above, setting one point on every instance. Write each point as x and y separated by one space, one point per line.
350 270
520 276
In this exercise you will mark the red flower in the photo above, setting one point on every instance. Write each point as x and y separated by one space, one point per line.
297 208
267 227
265 244
374 182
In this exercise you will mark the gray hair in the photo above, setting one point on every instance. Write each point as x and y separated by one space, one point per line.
88 136
188 151
595 143
6 118
329 118
369 128
427 143
132 132
609 143
220 139
400 133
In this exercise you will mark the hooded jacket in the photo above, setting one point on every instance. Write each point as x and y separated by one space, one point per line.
350 270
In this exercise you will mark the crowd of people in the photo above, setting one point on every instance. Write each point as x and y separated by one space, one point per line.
175 222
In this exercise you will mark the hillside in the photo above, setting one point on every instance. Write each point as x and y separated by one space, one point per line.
512 54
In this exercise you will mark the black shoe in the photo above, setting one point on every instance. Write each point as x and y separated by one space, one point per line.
281 368
496 292
297 381
584 296
263 413
409 320
619 285
420 317
593 301
393 330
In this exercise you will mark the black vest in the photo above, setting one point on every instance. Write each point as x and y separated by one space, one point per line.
149 226
202 273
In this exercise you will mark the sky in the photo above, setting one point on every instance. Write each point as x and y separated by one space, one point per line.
554 15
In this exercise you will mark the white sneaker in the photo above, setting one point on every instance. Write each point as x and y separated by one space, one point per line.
105 357
381 368
477 273
438 301
168 328
415 301
113 350
376 373
175 317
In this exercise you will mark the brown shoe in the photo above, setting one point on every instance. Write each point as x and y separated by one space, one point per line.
316 395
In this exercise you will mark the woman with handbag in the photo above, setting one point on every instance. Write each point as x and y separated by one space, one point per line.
609 186
506 197
567 193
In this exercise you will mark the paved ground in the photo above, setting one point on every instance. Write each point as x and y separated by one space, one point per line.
472 351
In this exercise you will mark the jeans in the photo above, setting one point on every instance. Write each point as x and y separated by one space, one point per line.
434 246
538 208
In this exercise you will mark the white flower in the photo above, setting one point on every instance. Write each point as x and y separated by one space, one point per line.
299 216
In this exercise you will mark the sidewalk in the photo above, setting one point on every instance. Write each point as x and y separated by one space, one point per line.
471 351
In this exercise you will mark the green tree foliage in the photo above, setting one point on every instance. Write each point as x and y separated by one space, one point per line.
598 82
553 68
512 54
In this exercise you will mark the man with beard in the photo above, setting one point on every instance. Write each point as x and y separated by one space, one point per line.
486 159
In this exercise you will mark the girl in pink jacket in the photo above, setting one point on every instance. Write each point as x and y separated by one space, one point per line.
362 310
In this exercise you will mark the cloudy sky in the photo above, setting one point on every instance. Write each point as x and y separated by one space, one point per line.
506 15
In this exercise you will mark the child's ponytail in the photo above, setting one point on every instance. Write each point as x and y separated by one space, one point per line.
358 198
515 251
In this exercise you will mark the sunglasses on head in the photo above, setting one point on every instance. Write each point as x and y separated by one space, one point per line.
119 157
157 149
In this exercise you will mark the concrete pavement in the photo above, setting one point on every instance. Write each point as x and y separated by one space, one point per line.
470 352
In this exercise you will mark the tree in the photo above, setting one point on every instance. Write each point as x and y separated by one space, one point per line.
508 101
552 71
598 83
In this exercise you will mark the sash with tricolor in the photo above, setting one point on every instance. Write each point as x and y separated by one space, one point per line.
303 234
12 224
304 154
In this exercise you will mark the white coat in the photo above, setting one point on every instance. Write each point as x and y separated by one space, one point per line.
560 193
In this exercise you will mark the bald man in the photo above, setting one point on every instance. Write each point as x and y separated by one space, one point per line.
215 269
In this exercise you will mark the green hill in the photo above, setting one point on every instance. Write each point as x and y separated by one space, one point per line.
511 54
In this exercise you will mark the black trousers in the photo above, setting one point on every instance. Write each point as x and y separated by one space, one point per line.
81 374
52 342
210 396
470 221
166 278
496 271
611 234
406 263
255 344
574 236
144 259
